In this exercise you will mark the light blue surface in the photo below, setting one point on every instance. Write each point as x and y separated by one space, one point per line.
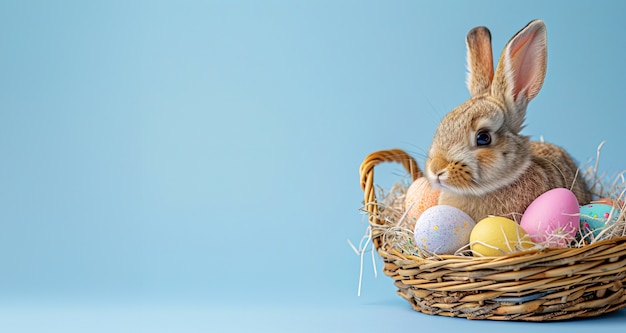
193 166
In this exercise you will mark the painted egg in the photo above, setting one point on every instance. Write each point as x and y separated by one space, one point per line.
443 229
496 236
552 218
419 197
594 217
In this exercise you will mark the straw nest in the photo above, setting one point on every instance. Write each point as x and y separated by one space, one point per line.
542 284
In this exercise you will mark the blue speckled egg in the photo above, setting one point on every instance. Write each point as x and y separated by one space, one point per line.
594 217
443 229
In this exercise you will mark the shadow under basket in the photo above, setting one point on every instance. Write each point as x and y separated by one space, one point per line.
540 285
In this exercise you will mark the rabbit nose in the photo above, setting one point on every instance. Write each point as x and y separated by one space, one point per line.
441 177
438 170
438 166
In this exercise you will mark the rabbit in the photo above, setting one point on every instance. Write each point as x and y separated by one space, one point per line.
478 158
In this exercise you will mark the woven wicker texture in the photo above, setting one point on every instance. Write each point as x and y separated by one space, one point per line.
539 285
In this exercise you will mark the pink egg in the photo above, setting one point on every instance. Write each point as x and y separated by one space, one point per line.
419 197
552 218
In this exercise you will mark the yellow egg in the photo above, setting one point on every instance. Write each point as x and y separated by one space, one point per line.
496 236
419 197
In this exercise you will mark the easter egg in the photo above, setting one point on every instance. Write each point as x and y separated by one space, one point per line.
594 217
419 197
552 218
443 229
496 236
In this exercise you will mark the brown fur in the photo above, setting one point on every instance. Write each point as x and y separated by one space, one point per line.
544 173
506 175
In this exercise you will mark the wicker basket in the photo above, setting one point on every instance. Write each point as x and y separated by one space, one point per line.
540 285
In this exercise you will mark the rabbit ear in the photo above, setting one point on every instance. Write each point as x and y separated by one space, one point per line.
479 61
522 68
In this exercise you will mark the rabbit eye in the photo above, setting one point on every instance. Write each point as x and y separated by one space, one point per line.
483 138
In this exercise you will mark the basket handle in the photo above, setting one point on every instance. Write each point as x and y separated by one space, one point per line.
366 172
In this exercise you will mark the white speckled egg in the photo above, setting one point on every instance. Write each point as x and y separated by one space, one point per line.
443 229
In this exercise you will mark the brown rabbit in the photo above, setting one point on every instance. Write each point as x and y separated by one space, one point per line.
478 158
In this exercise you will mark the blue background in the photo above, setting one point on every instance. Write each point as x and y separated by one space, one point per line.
191 166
